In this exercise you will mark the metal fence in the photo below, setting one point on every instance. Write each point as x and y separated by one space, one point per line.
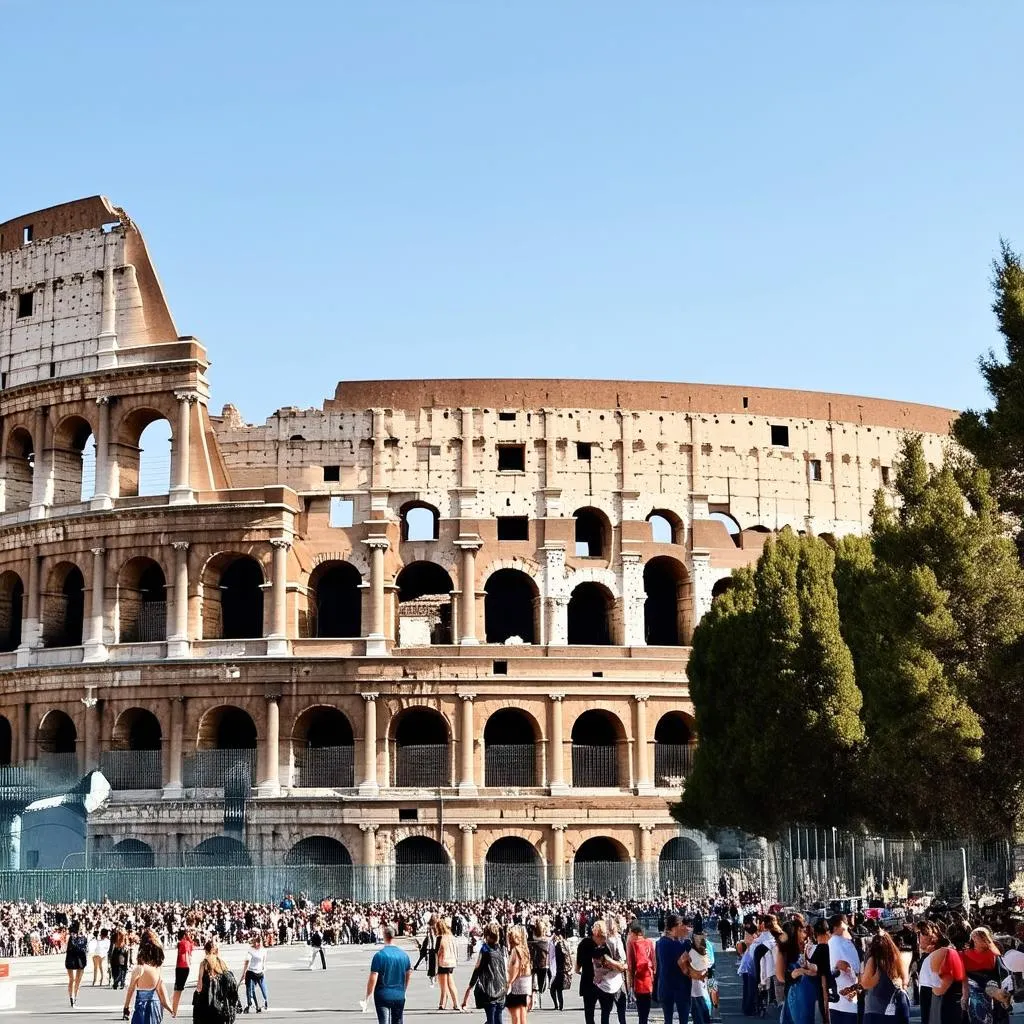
672 761
510 764
595 766
325 767
423 766
214 769
132 769
57 769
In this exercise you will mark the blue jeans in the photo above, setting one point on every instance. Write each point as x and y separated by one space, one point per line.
678 1001
701 1013
749 1003
492 1012
251 981
389 1011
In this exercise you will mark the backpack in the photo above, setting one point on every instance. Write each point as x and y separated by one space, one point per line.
218 1002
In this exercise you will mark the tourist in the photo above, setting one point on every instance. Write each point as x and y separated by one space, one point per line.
884 981
118 957
640 970
844 962
146 984
216 993
540 959
519 998
560 961
388 981
428 950
797 977
489 980
609 972
447 955
949 992
672 955
316 940
927 976
984 974
253 974
75 960
99 947
825 984
182 966
585 969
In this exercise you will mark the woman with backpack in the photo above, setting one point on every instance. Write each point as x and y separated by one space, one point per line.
216 995
489 980
75 960
640 963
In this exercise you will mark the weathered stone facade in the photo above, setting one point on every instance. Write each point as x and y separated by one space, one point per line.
456 610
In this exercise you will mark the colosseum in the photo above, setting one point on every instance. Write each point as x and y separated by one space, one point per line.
435 629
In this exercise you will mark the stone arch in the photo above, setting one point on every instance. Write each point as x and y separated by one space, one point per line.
137 729
57 745
73 471
64 606
666 527
225 751
667 603
590 615
12 606
512 607
685 864
226 727
323 748
134 760
513 866
141 601
599 750
601 864
422 869
19 469
220 851
233 586
319 850
144 439
722 586
731 524
593 533
424 604
420 521
336 608
130 853
511 737
421 739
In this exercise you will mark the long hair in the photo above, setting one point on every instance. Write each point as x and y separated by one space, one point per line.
151 950
789 943
214 964
887 957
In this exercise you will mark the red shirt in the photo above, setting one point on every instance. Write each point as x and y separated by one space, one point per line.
952 965
185 948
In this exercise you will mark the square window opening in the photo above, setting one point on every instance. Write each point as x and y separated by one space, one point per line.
511 458
332 474
746 402
780 435
814 468
26 234
885 476
597 675
583 450
513 527
25 304
507 417
342 512
500 668
53 369
408 814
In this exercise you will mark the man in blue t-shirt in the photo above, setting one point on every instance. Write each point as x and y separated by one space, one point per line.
674 984
390 971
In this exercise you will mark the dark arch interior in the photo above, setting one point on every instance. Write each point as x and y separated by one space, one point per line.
662 581
509 607
142 603
324 749
5 741
726 583
672 728
132 853
595 729
221 851
591 536
420 850
138 729
57 734
599 849
325 727
227 728
420 578
12 603
338 601
318 850
510 756
512 850
589 613
65 609
422 755
508 726
241 600
680 848
419 727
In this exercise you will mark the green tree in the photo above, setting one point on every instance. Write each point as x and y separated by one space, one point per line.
777 707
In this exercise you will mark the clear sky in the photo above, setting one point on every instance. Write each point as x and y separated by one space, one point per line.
766 192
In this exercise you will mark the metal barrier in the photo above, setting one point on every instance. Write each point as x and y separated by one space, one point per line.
132 769
595 766
325 768
511 765
57 769
423 766
212 769
672 761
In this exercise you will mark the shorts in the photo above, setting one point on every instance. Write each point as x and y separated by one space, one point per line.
516 999
180 977
445 970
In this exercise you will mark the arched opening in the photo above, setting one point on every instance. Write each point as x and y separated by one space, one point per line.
419 521
511 607
666 607
64 606
674 748
144 454
232 598
141 602
57 745
601 865
593 533
590 615
422 754
323 749
74 462
424 605
666 527
422 869
12 604
6 737
722 586
513 868
595 750
510 750
18 471
134 760
314 850
681 866
337 600
732 527
130 853
220 852
225 754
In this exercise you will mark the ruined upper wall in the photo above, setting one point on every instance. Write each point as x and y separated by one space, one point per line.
76 285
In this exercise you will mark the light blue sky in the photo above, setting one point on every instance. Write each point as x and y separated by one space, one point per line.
789 194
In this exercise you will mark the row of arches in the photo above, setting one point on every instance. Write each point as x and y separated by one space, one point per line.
322 748
233 603
143 441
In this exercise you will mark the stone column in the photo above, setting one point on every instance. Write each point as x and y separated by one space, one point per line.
467 784
181 479
376 639
177 642
641 745
172 788
270 783
646 870
467 613
557 868
466 862
556 751
31 627
277 641
42 461
95 650
368 785
633 597
106 349
369 863
702 580
89 756
101 492
31 736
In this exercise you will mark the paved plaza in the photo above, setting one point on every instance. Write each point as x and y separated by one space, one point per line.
318 995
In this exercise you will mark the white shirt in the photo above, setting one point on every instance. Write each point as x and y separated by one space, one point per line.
102 947
842 948
699 962
257 960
